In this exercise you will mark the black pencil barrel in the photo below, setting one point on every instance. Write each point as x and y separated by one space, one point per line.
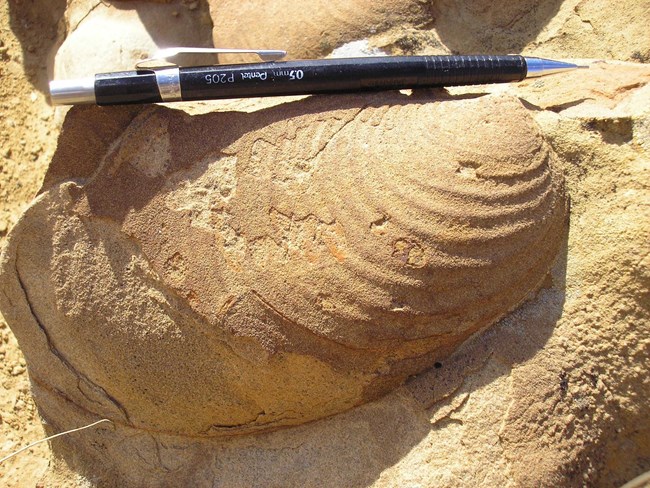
351 74
312 76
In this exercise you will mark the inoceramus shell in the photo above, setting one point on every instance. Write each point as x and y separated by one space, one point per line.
228 272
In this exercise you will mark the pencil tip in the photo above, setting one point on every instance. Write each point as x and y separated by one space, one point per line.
542 67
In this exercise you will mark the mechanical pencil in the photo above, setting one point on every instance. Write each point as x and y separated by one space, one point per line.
271 77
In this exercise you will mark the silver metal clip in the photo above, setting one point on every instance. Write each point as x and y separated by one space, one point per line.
160 58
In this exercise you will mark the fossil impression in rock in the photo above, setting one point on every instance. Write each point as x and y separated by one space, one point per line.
229 272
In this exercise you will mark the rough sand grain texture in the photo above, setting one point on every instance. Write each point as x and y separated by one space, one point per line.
302 260
554 395
552 28
28 132
113 36
316 27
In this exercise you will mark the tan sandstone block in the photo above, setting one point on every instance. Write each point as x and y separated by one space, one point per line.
233 272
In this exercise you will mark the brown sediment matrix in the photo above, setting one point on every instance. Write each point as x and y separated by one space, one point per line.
226 273
316 28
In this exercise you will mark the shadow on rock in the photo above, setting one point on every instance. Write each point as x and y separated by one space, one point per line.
92 37
506 27
36 25
513 340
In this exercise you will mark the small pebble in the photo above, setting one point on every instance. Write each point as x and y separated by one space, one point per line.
17 370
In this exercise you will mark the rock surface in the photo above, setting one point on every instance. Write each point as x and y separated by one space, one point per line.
301 260
554 395
103 37
553 28
315 28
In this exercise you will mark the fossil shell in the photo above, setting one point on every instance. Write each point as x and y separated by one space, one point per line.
231 272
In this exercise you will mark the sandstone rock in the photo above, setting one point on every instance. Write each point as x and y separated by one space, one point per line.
555 394
597 29
565 390
609 90
299 261
309 29
104 36
552 395
572 29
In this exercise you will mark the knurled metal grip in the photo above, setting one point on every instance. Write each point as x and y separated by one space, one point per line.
474 70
